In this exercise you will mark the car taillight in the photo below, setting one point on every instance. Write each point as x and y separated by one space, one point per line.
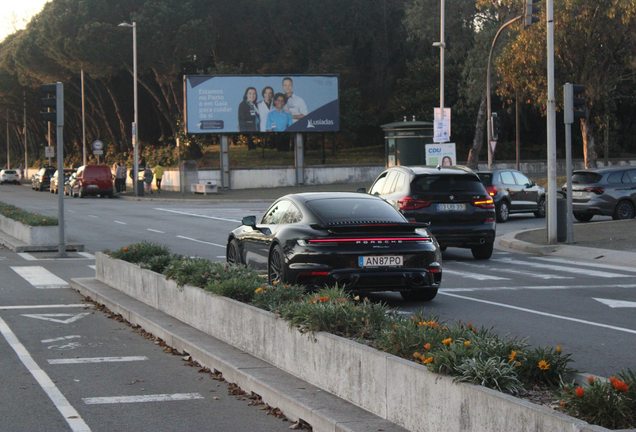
408 203
596 190
485 204
492 190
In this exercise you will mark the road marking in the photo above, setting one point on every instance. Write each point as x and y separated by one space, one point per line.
198 215
27 256
121 223
221 256
40 277
145 398
157 231
57 317
587 264
63 338
69 413
96 360
43 306
473 275
93 267
93 216
626 330
617 303
517 272
200 241
86 255
541 287
578 271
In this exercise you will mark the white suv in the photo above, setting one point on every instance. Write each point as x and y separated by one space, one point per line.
9 176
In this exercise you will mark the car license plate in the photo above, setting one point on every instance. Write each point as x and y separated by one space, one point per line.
451 207
380 261
577 194
92 186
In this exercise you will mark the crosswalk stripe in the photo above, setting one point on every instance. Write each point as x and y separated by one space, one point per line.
144 398
40 277
578 271
476 276
587 264
518 272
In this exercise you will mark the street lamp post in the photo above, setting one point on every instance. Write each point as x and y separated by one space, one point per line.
442 45
135 135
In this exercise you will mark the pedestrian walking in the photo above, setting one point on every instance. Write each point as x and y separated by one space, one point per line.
124 170
158 176
120 178
21 168
148 179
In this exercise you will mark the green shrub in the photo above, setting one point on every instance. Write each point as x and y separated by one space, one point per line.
25 217
273 297
139 253
234 281
543 366
491 372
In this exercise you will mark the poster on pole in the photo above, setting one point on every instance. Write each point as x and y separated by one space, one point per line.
442 125
441 154
223 104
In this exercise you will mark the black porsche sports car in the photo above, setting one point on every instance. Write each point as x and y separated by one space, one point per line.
358 241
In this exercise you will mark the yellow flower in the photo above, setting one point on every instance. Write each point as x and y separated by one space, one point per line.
356 298
258 290
427 360
543 365
558 349
275 283
427 346
447 341
512 356
467 344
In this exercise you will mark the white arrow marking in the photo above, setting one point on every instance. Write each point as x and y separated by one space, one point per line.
617 303
57 317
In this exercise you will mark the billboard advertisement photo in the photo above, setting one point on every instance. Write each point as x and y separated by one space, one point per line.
441 154
261 103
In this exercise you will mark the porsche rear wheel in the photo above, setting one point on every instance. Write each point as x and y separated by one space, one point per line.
276 268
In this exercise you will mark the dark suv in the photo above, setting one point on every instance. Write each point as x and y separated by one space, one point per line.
42 179
452 199
513 192
604 191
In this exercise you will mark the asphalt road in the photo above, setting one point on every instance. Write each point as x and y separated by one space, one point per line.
552 301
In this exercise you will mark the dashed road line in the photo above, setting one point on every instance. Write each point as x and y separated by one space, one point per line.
96 360
121 223
201 241
578 271
587 264
144 398
476 276
86 255
157 231
198 215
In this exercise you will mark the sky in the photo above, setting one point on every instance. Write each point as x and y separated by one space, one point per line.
15 14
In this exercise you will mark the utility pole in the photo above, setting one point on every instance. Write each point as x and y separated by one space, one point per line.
551 120
8 146
24 131
83 125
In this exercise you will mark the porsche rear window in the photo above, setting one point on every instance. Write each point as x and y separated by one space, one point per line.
343 210
585 177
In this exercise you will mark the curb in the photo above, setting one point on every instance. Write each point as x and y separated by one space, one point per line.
296 398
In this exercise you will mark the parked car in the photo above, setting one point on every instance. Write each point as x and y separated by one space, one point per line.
358 241
67 173
9 176
42 179
604 191
68 184
513 192
452 199
92 180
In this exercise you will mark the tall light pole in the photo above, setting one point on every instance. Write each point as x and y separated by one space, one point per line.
442 45
551 120
135 135
83 124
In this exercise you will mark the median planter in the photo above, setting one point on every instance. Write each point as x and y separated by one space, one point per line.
31 235
398 390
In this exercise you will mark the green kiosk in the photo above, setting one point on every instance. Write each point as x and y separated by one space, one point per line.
405 142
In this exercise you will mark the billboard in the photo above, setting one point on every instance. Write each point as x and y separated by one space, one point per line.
261 103
441 154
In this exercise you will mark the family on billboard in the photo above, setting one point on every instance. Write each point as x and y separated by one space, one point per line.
274 113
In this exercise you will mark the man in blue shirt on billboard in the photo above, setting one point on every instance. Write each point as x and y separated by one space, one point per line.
295 104
278 120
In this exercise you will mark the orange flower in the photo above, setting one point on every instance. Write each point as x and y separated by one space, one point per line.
467 344
125 249
620 386
590 379
393 326
558 349
427 346
470 326
543 365
512 356
562 403
417 355
258 290
612 379
427 360
579 392
447 341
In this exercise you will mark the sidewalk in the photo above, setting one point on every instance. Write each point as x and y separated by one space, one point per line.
610 242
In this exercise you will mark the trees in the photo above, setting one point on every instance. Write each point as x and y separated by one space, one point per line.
594 44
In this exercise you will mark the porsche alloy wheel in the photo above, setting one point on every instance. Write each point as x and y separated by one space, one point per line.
276 268
233 253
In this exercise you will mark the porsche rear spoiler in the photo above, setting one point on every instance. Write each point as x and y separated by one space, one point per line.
403 227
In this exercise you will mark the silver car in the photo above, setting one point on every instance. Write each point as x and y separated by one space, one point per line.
604 191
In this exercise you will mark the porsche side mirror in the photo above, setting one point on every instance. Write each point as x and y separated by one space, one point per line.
249 221
362 190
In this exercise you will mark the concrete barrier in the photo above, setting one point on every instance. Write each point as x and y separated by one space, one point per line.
31 235
393 388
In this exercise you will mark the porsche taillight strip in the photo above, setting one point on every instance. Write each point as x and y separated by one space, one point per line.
369 239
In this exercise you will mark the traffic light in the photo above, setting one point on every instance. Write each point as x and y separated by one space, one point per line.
528 19
573 97
55 101
495 124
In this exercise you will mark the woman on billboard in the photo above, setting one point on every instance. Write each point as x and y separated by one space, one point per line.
265 106
249 120
278 120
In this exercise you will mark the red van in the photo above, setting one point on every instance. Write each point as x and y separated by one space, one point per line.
93 180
